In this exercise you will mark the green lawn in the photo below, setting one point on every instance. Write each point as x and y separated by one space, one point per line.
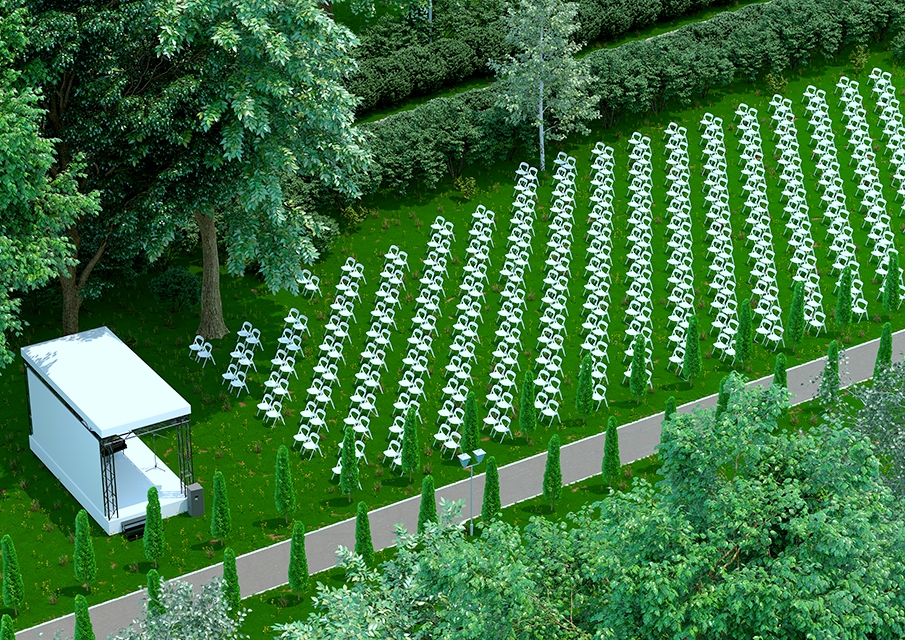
227 436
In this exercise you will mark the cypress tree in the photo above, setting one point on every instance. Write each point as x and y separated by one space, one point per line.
779 371
884 352
583 396
153 533
490 509
409 452
744 338
348 476
154 586
829 384
428 512
299 578
85 564
284 494
670 408
7 632
891 294
364 546
722 399
795 324
83 628
231 593
611 464
844 299
470 424
553 473
221 521
638 380
691 363
13 586
527 412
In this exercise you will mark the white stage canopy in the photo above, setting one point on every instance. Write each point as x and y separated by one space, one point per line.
105 382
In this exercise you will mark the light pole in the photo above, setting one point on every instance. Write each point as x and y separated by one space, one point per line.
465 461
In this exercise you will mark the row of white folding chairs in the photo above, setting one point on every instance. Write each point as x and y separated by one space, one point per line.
764 269
842 245
893 125
557 272
465 328
722 263
681 275
796 208
870 187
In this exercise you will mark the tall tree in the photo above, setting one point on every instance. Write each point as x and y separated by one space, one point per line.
670 408
779 371
527 412
583 399
744 338
829 382
85 564
221 520
795 323
299 577
409 453
691 362
364 544
152 537
611 464
7 631
892 295
187 109
491 507
428 510
284 490
470 424
884 350
83 628
39 203
348 475
637 382
844 299
231 591
187 615
543 83
13 586
154 606
552 487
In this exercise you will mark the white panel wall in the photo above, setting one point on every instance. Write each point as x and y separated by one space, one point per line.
66 447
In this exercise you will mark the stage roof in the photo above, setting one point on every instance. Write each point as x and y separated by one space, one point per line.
105 382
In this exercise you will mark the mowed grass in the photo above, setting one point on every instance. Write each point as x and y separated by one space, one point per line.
39 513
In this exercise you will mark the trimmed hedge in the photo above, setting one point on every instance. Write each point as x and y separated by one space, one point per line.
423 145
399 59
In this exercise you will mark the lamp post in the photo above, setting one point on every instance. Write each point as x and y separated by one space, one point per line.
465 459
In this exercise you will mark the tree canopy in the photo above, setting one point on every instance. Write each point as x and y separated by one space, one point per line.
753 531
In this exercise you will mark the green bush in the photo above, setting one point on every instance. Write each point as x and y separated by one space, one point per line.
177 288
897 46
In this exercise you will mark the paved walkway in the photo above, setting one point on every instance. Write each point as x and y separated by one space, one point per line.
265 569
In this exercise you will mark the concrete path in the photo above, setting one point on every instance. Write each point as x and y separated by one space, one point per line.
265 569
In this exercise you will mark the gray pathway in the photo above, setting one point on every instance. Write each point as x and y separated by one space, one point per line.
265 569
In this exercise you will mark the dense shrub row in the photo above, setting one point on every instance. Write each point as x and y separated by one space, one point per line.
402 58
439 138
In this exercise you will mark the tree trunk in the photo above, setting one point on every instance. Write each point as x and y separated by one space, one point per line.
72 283
212 326
72 302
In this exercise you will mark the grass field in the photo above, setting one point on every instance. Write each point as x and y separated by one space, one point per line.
40 514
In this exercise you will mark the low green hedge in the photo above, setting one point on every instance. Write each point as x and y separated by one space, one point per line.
439 138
